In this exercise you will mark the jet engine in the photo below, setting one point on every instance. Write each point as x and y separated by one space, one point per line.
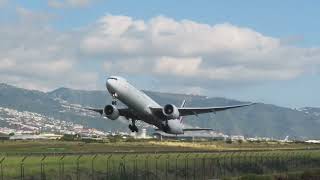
111 112
171 111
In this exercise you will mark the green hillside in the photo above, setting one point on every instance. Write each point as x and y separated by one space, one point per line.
258 120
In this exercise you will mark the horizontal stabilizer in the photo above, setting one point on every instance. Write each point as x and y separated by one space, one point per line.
198 129
192 129
100 111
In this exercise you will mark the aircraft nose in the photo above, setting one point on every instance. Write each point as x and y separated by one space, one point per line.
110 85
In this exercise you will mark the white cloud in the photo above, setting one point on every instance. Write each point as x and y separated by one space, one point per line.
173 52
33 55
69 3
180 67
7 63
187 49
185 38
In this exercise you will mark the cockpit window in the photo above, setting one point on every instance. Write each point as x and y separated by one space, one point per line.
113 78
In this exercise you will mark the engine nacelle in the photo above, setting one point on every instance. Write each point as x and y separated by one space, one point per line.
111 112
171 111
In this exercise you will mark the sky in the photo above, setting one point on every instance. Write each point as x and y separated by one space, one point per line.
246 50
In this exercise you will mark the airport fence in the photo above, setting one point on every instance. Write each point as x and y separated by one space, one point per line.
147 166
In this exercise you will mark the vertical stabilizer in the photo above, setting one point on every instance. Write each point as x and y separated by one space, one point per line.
182 105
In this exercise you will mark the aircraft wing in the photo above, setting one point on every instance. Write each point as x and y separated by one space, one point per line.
100 111
125 112
186 111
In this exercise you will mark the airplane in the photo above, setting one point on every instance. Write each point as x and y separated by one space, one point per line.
141 107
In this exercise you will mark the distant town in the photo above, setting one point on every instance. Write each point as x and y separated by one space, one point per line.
30 123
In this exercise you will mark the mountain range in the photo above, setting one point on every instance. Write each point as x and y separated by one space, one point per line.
263 120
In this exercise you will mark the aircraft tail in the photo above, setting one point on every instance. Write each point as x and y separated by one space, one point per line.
191 129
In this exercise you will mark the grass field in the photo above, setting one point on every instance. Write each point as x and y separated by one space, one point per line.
152 159
142 146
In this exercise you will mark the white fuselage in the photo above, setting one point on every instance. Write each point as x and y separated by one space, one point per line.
140 103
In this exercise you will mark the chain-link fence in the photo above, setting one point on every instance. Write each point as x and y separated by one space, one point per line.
154 166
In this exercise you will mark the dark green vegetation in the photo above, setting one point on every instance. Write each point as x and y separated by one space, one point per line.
259 120
151 160
309 174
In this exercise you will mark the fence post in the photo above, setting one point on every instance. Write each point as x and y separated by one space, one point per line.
239 161
78 167
135 169
92 166
225 163
123 174
231 162
42 173
309 159
1 164
280 159
245 162
61 168
250 162
267 162
213 165
300 159
108 168
194 166
167 166
256 160
290 161
186 166
281 162
286 162
295 160
218 172
274 161
272 156
204 166
22 167
157 157
305 162
291 164
146 168
177 166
